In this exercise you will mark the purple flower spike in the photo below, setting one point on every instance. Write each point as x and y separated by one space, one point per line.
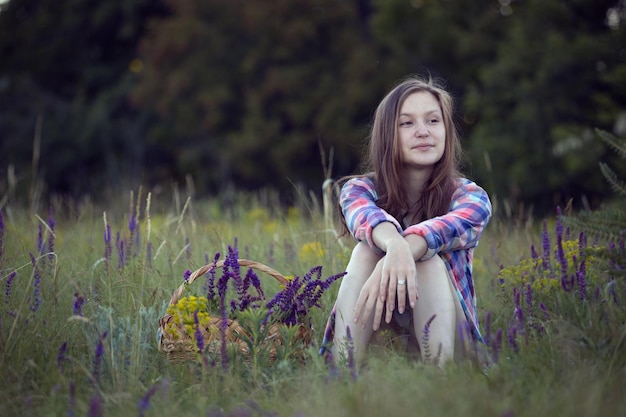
61 356
36 300
97 359
51 224
351 361
198 333
79 300
512 339
545 243
9 284
144 403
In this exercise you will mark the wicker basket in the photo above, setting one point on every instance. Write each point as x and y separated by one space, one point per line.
184 347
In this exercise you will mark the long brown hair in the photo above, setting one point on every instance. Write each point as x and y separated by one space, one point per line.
384 160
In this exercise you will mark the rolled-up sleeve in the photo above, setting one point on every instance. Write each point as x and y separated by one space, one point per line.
461 227
358 205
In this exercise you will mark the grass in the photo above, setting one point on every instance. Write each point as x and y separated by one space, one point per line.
78 328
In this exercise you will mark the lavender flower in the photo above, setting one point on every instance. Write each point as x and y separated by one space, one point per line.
529 297
41 246
36 300
107 243
144 403
533 252
426 338
132 228
121 251
512 339
560 253
351 361
95 406
97 360
9 284
61 356
210 279
77 308
543 308
198 333
51 223
545 243
186 276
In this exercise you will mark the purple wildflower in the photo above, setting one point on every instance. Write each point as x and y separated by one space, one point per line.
9 284
79 301
545 243
61 356
97 360
144 403
198 333
95 406
528 295
121 251
51 224
426 338
210 279
36 300
533 252
333 371
41 246
560 253
512 339
132 228
351 361
543 308
186 276
108 251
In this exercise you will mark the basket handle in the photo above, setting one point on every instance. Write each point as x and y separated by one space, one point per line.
242 262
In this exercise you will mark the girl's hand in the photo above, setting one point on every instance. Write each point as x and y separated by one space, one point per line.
369 301
398 276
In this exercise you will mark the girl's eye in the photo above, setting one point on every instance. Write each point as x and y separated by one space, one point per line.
434 120
406 123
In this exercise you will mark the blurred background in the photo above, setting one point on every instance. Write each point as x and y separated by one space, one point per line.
98 96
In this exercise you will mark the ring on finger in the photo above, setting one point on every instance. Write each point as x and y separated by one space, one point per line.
401 282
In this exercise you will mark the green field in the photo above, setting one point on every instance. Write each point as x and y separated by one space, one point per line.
79 318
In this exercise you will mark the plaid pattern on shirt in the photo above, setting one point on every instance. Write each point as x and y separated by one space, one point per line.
453 236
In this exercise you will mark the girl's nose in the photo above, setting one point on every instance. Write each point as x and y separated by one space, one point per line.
421 130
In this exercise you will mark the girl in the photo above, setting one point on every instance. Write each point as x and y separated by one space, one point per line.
416 221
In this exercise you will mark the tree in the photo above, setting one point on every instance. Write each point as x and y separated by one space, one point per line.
252 88
68 64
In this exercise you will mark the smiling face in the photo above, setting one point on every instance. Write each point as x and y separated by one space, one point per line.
421 132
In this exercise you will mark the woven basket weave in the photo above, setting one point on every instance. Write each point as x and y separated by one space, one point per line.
184 347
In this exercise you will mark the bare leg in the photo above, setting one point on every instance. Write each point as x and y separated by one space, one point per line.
436 298
361 265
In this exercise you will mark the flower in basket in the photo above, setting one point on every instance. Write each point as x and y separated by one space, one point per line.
189 312
236 310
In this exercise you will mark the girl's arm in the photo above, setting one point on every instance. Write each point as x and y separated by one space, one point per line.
458 229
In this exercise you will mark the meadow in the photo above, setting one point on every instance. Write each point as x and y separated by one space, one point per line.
85 286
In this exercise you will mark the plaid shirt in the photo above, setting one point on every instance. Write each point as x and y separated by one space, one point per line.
453 236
